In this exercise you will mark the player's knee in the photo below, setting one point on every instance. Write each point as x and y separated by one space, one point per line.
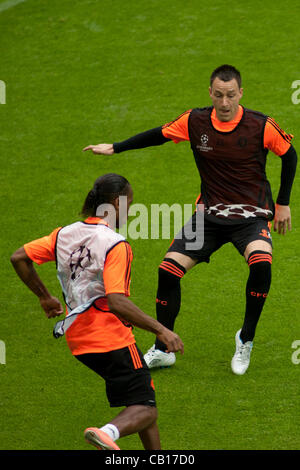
152 413
148 412
170 272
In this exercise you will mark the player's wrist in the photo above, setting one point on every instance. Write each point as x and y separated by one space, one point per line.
116 147
160 329
43 294
282 203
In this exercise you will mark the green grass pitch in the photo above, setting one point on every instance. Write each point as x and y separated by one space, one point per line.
80 73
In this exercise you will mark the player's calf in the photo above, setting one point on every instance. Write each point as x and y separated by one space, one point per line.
168 302
257 289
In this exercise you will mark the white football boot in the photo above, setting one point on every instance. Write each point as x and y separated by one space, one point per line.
241 359
157 358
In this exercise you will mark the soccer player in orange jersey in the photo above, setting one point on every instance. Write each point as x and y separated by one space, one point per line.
93 265
230 145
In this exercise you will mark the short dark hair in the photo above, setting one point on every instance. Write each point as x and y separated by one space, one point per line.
226 73
105 190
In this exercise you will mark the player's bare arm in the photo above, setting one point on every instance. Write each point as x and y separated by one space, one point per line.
128 311
24 268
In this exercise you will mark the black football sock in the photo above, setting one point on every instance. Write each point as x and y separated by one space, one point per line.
257 289
168 295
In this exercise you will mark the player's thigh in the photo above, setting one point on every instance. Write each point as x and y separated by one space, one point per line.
252 236
195 243
182 259
127 377
257 245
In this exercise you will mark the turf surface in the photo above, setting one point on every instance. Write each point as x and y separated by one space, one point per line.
86 72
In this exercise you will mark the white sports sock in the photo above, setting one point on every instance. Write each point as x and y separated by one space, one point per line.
111 430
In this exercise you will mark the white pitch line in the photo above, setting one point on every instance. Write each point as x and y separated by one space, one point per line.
9 4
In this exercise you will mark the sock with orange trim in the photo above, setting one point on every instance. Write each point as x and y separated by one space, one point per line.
168 295
257 290
111 430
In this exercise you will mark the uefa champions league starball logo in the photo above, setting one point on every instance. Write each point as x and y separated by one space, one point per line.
203 147
79 260
204 139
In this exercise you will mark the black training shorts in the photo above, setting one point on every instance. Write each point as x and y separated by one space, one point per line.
217 234
127 377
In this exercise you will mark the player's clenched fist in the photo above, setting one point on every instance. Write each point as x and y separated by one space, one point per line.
101 149
51 306
172 340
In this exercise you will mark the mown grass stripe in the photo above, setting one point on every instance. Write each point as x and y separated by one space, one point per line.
9 4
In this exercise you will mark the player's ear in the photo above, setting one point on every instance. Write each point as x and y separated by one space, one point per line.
241 91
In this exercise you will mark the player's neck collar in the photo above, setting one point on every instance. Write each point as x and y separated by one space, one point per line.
226 126
96 221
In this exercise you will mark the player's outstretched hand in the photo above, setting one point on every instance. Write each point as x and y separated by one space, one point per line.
282 220
171 340
101 149
51 306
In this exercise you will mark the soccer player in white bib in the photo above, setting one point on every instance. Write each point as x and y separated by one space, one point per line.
93 266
